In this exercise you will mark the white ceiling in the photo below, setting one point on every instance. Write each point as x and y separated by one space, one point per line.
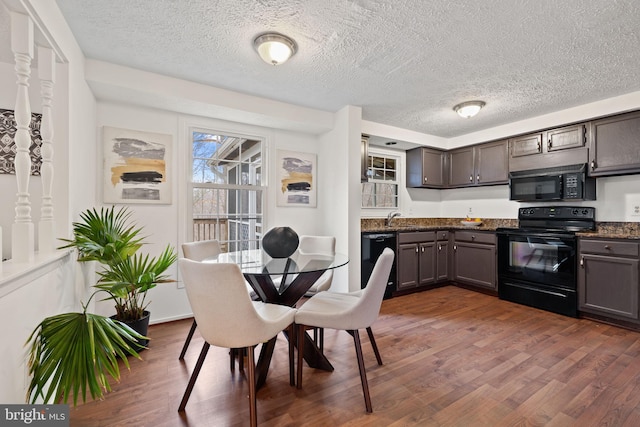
405 62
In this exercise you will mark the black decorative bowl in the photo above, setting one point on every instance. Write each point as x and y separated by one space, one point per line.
280 242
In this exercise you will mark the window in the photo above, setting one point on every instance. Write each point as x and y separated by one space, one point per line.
226 189
382 189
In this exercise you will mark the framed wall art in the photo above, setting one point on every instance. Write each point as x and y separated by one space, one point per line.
296 175
136 166
8 128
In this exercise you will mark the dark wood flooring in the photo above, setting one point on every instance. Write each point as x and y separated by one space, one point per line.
452 357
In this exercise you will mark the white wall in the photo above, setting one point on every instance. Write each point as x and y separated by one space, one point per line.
167 224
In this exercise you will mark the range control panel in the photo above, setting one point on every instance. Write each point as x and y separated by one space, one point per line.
558 212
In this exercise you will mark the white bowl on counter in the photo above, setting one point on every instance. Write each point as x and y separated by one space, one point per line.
471 223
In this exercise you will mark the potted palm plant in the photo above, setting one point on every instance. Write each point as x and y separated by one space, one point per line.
71 353
109 237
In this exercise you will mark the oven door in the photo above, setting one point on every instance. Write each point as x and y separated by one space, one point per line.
536 188
538 257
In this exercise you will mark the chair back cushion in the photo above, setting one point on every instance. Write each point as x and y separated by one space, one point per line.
325 245
368 308
223 309
201 250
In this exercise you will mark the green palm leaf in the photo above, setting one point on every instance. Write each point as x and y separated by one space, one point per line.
71 353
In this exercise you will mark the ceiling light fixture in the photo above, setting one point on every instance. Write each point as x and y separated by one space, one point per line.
468 109
275 48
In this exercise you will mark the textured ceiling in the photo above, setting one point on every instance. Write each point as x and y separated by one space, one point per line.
406 63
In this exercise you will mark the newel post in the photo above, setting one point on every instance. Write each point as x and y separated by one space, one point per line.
22 236
46 73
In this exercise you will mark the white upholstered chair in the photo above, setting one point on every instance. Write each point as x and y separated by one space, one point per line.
349 312
198 251
227 317
323 245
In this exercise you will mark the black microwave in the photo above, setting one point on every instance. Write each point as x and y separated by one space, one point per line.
552 184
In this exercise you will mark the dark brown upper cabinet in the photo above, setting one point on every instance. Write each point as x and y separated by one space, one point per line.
426 168
364 159
549 148
615 145
484 164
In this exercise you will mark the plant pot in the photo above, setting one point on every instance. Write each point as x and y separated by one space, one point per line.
141 326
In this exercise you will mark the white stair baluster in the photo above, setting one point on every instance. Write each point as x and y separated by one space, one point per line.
22 236
46 73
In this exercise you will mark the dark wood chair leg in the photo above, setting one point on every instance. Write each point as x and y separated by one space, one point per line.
361 367
188 340
253 415
232 359
194 376
374 345
318 338
300 342
292 336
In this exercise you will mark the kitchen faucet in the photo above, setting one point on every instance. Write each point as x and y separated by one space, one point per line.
390 218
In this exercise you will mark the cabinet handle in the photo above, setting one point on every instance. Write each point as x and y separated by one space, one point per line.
422 249
455 247
539 146
549 145
473 237
593 164
477 178
582 262
607 247
470 178
439 247
425 179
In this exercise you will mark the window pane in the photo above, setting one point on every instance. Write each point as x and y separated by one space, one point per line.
390 163
231 215
377 162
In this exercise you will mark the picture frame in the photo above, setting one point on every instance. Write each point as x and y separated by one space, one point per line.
296 179
136 166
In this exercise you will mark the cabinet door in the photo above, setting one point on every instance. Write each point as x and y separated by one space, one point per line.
526 145
475 264
492 163
566 137
461 171
425 168
427 269
442 264
407 266
364 159
615 143
608 286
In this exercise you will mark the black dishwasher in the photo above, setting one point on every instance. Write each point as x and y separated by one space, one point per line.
372 246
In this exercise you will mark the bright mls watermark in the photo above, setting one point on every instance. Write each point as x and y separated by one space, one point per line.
34 415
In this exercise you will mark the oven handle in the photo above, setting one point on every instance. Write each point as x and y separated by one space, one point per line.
532 288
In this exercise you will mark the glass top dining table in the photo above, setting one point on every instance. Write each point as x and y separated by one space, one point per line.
283 281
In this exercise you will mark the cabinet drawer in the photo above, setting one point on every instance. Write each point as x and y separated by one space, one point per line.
442 235
609 247
417 237
475 237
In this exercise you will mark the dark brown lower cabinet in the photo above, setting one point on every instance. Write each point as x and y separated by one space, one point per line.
608 279
474 259
416 259
443 272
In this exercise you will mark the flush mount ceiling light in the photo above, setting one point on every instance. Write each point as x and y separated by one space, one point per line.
468 109
275 48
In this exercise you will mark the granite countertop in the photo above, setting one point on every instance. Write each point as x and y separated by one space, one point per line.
609 230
